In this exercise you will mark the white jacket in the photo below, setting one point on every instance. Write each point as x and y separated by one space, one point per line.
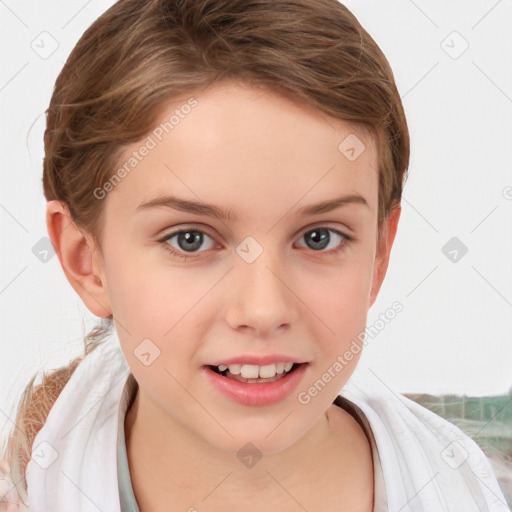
422 463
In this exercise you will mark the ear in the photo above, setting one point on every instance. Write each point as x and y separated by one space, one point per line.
79 257
383 251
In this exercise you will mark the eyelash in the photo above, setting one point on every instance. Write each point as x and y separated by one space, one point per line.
174 253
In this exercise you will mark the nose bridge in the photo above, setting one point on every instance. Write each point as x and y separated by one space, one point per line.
260 297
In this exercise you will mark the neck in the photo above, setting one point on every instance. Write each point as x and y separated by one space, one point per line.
165 457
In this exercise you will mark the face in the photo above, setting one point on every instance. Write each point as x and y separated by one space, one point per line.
191 289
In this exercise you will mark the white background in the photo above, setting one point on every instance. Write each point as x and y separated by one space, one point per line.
454 333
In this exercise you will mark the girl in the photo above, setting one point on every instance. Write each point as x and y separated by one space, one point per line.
223 181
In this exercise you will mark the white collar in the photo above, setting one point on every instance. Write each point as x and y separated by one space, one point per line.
74 457
428 464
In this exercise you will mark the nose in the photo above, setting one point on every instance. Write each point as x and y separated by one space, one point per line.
261 297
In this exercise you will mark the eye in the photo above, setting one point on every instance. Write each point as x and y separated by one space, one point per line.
320 238
187 240
190 240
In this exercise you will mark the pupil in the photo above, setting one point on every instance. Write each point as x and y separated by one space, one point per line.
193 242
319 238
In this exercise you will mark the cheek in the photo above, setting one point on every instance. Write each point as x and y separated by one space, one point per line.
149 293
162 311
338 303
343 286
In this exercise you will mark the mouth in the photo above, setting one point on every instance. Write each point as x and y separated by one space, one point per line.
225 372
267 386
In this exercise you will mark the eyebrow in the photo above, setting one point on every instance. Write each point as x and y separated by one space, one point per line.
199 208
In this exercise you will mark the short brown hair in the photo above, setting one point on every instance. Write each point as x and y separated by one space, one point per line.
138 56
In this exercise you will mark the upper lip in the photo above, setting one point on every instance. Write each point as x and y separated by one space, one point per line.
259 360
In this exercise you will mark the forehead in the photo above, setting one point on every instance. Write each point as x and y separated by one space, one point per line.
244 146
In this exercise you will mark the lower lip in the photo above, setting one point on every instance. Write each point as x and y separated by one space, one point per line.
256 394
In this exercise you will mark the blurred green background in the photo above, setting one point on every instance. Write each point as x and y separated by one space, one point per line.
487 420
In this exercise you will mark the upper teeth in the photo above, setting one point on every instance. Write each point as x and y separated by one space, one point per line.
253 371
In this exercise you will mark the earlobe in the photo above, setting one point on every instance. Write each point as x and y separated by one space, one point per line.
79 258
383 252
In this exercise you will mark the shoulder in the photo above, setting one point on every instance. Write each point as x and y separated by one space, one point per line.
416 446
